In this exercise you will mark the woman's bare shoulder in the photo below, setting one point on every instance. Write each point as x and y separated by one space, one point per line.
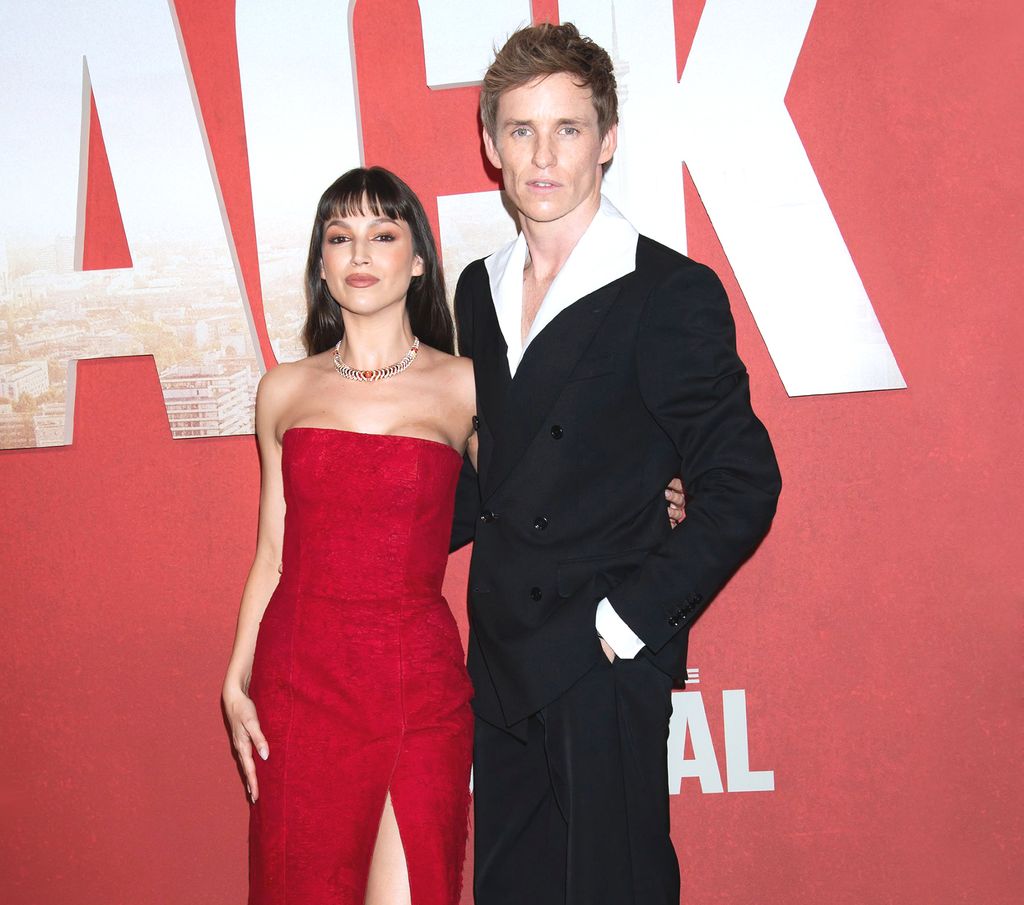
453 370
453 366
283 383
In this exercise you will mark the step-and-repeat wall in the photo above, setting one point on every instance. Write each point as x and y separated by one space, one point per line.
849 731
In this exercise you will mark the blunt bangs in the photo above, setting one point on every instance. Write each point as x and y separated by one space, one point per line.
365 192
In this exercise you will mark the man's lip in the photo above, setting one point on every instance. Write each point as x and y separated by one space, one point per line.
544 184
361 280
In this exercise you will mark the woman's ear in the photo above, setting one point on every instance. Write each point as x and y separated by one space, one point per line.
417 266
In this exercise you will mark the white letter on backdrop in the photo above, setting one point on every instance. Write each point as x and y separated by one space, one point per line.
737 748
688 715
297 65
459 37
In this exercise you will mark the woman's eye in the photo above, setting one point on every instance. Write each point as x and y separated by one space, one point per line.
385 237
336 240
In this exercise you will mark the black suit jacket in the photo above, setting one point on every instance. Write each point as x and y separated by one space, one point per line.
629 386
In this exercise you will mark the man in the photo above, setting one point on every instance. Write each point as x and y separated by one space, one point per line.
605 364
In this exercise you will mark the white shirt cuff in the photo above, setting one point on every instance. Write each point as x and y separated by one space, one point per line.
620 637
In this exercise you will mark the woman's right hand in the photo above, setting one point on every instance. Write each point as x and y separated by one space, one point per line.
246 734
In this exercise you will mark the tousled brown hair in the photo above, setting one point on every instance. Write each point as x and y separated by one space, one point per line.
542 50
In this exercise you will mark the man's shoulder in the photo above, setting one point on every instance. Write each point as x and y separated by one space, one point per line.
474 277
659 260
661 267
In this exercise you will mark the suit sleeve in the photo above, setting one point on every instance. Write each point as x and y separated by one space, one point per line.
695 386
467 493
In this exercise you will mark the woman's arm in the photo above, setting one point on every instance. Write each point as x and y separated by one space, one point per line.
260 584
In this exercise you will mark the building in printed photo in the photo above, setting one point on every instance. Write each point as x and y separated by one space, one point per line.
48 424
177 304
208 400
16 427
27 378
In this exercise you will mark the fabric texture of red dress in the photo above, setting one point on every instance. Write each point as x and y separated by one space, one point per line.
358 677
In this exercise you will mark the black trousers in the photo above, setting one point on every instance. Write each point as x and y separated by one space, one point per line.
578 814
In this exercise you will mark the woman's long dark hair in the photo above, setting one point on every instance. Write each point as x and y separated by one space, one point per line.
380 193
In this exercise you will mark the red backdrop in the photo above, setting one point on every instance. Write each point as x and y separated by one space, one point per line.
877 631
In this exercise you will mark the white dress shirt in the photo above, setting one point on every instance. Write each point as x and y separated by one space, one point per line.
605 252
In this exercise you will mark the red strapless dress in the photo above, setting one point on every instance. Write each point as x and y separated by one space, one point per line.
359 677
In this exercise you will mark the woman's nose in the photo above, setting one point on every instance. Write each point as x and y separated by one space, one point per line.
360 252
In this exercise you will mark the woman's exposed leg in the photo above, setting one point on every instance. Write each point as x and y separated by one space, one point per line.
388 882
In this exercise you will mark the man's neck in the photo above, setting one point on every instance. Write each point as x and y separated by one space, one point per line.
550 244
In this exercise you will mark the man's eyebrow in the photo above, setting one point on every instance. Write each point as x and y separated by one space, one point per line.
564 121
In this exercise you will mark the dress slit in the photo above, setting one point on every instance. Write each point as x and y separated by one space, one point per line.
401 846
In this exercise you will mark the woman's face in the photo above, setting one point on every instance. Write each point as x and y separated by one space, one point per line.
368 262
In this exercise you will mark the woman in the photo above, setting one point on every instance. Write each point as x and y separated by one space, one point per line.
364 729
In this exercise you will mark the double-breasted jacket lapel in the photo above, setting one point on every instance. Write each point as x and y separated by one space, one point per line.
516 414
493 378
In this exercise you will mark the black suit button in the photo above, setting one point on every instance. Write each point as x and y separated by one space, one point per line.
540 523
536 593
556 431
487 516
476 423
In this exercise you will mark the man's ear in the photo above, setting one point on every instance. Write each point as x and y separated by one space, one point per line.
491 150
609 143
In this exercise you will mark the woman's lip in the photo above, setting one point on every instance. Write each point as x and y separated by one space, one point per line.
361 280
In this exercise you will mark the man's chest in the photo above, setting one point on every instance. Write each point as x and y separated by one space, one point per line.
534 292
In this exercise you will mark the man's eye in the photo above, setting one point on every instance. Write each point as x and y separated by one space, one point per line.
520 132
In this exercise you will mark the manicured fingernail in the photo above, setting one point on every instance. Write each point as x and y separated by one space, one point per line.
264 753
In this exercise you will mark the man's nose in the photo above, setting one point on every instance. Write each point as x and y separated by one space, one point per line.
543 152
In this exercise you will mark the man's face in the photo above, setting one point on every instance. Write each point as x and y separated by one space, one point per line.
549 149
